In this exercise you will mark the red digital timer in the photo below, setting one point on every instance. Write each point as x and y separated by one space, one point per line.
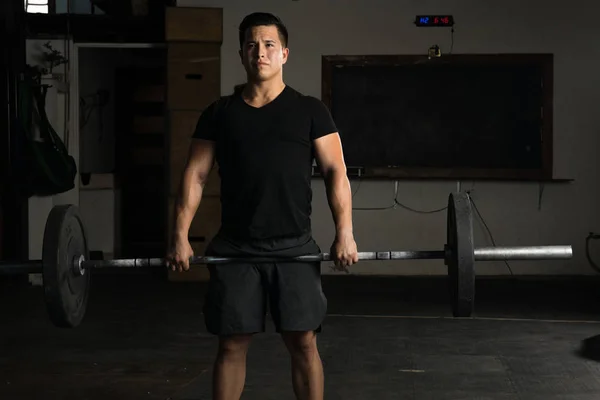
434 20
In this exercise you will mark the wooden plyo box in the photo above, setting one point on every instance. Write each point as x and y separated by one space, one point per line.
194 36
194 75
194 24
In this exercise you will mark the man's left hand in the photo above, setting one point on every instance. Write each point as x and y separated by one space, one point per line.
343 251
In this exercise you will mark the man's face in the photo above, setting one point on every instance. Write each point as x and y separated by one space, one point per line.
263 54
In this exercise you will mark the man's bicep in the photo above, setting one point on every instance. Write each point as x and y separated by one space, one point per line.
329 153
201 158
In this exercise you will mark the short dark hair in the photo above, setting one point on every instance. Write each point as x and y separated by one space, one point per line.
262 19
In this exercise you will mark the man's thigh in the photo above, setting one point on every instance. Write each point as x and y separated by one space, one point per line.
235 302
297 301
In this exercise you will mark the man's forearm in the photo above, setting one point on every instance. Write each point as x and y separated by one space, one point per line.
339 196
187 203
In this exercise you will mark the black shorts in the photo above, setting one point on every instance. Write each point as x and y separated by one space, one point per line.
240 294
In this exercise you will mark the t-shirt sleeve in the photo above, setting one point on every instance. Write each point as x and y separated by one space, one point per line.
322 120
206 127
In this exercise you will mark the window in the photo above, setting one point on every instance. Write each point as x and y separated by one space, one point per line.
37 6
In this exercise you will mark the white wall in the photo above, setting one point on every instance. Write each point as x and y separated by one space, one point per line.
568 211
58 109
93 146
99 206
97 201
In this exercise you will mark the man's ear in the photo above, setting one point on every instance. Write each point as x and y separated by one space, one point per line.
241 56
286 53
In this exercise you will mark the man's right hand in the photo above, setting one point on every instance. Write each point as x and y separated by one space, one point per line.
178 258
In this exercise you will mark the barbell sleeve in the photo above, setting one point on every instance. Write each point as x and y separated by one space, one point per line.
523 253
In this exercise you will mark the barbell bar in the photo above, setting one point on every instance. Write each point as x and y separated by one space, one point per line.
480 253
65 260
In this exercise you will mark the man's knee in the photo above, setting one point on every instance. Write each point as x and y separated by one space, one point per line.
234 346
301 343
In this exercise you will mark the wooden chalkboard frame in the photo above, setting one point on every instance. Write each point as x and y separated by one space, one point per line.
544 61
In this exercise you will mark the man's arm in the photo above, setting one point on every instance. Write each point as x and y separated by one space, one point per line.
330 158
199 164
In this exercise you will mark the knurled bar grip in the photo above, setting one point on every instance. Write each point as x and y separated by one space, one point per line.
481 254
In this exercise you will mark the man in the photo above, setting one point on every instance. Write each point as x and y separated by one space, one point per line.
264 138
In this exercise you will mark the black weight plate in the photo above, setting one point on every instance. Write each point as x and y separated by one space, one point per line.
65 291
461 257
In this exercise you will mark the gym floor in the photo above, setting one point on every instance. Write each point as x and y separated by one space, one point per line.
385 338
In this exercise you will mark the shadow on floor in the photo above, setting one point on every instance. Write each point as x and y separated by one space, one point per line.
385 337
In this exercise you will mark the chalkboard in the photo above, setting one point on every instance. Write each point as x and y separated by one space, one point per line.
441 115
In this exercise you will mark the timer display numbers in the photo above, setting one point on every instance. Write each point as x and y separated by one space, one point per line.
434 20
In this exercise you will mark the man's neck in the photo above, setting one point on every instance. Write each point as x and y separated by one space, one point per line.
263 92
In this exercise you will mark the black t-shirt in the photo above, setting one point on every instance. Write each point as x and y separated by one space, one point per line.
265 158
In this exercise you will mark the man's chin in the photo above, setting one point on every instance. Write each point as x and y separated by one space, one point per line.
260 77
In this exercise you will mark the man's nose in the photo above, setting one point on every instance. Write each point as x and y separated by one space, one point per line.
261 50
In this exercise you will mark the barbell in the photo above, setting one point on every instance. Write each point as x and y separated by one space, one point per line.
65 263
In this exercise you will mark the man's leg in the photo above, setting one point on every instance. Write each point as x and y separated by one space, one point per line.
307 368
229 374
234 310
298 307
